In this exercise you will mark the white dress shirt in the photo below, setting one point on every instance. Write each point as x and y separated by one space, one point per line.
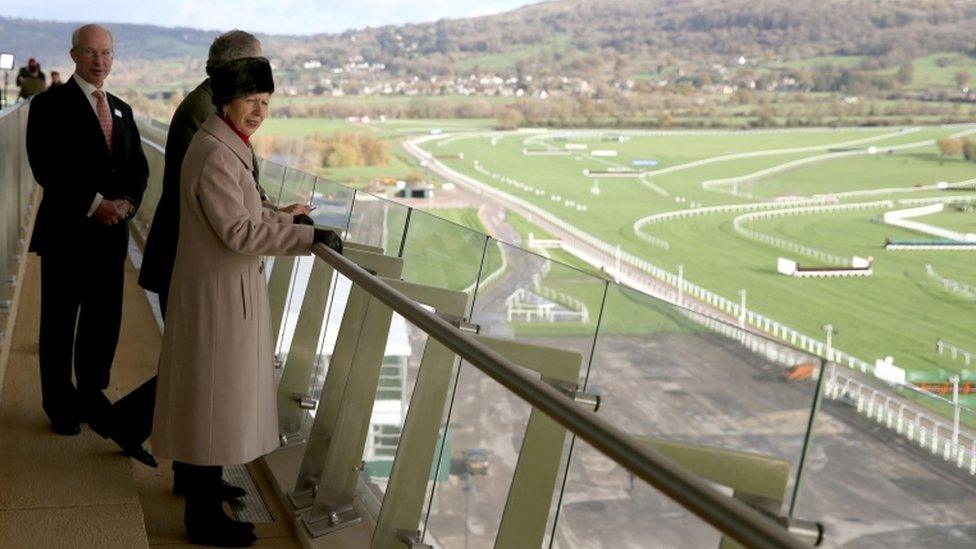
89 89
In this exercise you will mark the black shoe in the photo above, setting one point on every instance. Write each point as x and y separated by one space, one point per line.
133 450
66 427
207 524
140 454
225 490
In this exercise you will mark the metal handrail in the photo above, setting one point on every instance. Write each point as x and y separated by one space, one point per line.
736 519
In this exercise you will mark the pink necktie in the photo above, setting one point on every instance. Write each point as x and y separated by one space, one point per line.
104 117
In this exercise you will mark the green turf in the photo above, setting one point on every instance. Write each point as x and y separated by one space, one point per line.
877 316
952 220
881 171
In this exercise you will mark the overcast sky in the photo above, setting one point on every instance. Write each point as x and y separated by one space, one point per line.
272 16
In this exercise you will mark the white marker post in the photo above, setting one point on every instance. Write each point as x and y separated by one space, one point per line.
616 270
829 328
955 413
742 308
681 279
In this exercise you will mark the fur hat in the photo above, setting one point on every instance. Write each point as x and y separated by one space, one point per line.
239 78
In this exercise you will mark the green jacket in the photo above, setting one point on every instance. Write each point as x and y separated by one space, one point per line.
160 251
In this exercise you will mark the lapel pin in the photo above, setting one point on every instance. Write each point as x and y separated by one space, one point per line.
118 113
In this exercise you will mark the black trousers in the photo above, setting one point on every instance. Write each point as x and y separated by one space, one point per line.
198 479
132 415
81 313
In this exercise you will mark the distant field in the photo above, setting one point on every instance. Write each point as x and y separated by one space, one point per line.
392 132
824 61
930 73
899 311
937 70
383 99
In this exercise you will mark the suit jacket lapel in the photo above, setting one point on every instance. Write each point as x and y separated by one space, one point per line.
118 128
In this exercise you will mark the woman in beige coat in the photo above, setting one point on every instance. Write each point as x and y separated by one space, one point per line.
216 395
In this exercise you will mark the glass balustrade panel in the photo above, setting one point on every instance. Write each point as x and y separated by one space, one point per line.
8 184
437 253
538 300
332 203
671 374
297 188
376 221
891 465
271 177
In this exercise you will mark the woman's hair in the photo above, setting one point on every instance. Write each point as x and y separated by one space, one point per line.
240 78
232 45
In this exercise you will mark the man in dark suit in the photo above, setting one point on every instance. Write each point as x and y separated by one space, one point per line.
85 151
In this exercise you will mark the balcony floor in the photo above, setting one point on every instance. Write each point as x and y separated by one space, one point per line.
79 490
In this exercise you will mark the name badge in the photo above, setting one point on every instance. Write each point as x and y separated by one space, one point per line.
118 113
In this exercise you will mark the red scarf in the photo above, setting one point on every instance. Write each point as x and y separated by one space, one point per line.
244 137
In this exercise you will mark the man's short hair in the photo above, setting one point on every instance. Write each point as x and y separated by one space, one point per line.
76 35
232 45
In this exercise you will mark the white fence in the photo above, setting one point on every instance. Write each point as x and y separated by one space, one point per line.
954 352
939 435
954 286
740 222
639 225
901 218
521 305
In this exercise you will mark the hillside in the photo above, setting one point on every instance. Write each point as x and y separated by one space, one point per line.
612 38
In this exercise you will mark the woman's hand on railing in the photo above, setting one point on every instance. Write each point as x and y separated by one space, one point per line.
329 238
296 209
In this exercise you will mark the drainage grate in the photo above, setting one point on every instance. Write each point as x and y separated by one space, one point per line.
251 507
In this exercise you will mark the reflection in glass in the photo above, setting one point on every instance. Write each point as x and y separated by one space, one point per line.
271 177
296 188
332 203
376 221
439 253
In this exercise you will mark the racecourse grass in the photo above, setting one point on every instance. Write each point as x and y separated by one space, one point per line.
900 311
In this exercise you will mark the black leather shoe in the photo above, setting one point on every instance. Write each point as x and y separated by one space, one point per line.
225 490
207 524
133 450
140 454
66 427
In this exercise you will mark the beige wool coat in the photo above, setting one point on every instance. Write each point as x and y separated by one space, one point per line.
215 402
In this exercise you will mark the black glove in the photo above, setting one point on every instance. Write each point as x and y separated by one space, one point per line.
329 238
302 219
